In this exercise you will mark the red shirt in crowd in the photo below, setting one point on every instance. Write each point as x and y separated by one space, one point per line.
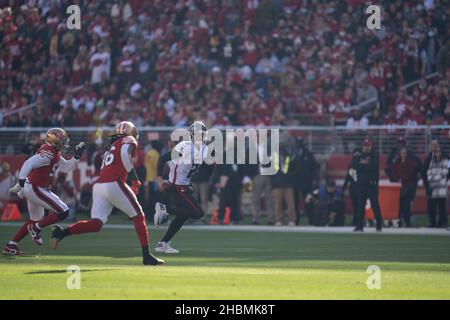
404 171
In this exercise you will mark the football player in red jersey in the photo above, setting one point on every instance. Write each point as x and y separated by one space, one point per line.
110 190
35 178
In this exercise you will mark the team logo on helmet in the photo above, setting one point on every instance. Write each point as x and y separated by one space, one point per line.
125 128
57 138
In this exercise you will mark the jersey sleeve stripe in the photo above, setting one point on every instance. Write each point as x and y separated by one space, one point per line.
131 198
174 181
46 153
41 195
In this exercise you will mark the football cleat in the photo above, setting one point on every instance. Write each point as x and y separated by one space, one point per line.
151 260
57 236
34 233
164 247
12 250
161 214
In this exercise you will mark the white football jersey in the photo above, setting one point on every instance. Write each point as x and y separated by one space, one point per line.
185 167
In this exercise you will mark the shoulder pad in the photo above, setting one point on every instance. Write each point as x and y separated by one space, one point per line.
46 151
129 140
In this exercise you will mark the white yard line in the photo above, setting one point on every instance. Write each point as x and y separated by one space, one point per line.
301 229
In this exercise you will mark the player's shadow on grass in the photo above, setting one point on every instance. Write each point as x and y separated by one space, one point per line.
65 271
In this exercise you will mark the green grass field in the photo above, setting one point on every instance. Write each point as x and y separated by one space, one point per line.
232 265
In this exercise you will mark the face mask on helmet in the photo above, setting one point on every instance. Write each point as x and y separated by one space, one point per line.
198 132
58 138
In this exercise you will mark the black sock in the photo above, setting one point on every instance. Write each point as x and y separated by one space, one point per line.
174 227
145 251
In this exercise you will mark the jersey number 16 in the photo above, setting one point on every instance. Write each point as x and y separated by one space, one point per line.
108 157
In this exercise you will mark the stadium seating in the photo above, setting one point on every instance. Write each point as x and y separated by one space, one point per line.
254 62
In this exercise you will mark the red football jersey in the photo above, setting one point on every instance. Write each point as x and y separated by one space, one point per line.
113 168
43 176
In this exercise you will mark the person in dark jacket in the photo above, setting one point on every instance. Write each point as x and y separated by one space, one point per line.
229 185
350 183
305 175
325 206
405 169
228 182
365 171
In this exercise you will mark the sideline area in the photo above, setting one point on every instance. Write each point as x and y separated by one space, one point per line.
297 229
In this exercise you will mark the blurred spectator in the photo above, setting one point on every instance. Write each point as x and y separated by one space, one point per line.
283 182
434 146
140 168
202 186
262 190
405 169
151 167
358 122
394 155
305 174
7 180
100 62
437 176
350 182
376 118
325 206
32 146
229 185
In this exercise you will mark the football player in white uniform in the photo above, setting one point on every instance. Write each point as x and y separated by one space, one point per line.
182 202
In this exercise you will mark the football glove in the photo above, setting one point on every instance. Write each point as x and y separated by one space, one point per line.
17 189
79 150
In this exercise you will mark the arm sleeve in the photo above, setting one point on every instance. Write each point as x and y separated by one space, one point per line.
34 162
125 156
67 165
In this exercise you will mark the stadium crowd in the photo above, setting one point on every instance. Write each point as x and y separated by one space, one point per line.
250 62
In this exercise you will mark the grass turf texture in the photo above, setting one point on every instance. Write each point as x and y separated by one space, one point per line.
231 265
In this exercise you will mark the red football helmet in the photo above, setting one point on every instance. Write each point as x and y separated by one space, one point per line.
126 128
57 138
